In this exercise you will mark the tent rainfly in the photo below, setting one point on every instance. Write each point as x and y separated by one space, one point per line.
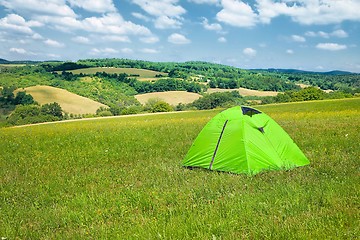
244 140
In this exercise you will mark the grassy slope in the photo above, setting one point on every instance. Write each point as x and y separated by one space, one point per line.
171 97
69 102
121 178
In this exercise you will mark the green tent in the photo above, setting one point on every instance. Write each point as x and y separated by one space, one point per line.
244 140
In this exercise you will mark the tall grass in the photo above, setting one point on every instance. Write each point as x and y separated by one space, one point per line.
121 178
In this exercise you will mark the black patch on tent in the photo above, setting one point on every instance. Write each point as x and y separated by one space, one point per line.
261 129
249 111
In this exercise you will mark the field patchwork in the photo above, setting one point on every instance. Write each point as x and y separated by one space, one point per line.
121 178
143 73
245 92
171 97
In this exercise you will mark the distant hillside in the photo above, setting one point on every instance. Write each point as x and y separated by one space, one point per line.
69 102
4 61
296 71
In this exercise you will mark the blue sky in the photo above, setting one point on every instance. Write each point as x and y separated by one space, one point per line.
318 35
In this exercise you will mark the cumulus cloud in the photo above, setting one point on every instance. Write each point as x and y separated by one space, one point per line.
165 22
100 6
290 51
80 39
140 16
149 50
331 46
53 43
17 23
45 7
237 13
126 50
18 50
116 38
177 38
211 26
151 39
103 51
298 38
211 2
309 11
250 52
167 12
337 33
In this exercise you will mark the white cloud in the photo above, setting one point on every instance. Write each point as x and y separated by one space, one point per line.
222 40
116 38
103 51
250 52
80 39
339 33
52 55
108 24
309 12
298 38
237 13
149 50
18 50
213 26
167 12
177 38
151 39
126 50
211 2
140 16
53 43
100 6
165 22
161 7
331 46
16 23
290 51
45 7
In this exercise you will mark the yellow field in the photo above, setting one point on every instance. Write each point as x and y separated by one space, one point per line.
245 92
69 102
171 97
143 73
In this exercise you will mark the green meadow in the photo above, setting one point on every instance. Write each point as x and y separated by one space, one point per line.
121 178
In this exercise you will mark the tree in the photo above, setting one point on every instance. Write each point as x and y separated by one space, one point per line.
53 109
24 99
161 106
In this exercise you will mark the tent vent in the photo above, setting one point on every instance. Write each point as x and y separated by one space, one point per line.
261 129
249 111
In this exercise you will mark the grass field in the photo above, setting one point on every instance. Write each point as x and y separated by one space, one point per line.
245 92
171 97
69 102
143 73
121 178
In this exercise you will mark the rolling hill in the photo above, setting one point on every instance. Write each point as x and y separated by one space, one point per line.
69 102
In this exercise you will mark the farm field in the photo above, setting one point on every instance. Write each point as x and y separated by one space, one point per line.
69 102
245 92
143 73
121 178
171 97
